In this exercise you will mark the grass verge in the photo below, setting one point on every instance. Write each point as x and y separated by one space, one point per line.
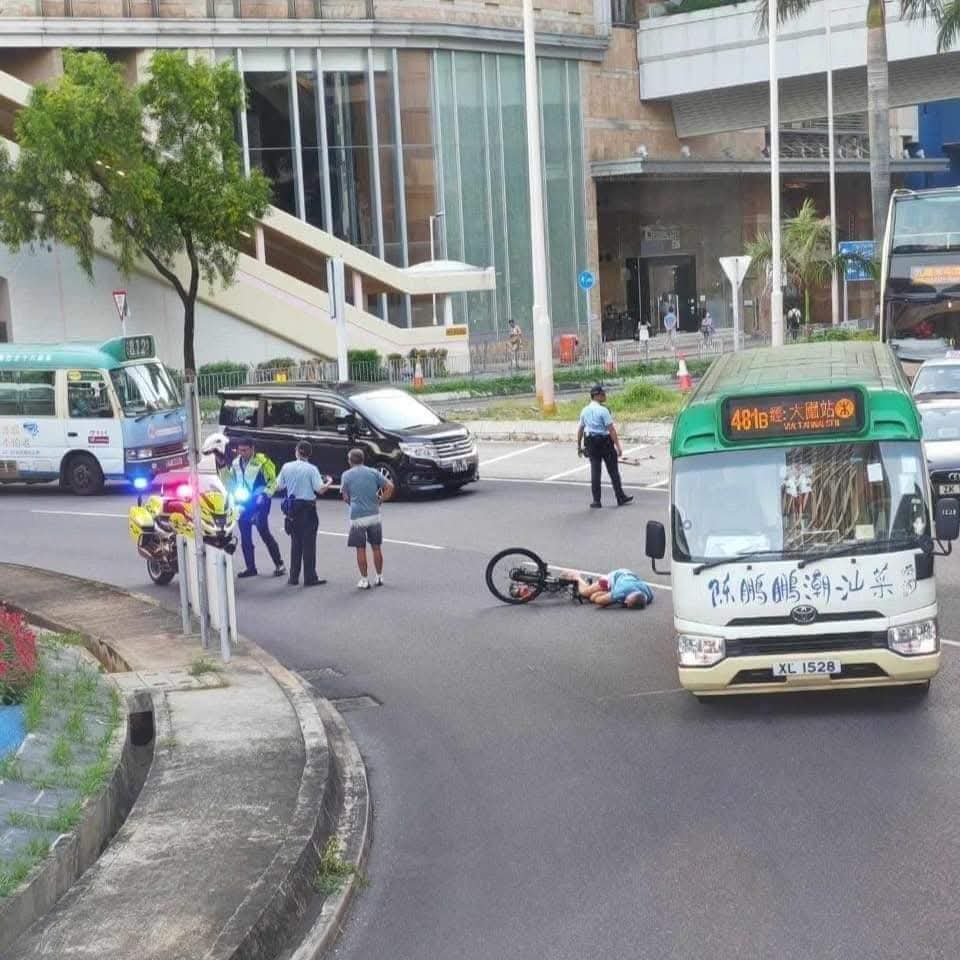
333 871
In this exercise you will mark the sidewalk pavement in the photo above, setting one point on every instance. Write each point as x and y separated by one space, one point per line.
216 857
656 431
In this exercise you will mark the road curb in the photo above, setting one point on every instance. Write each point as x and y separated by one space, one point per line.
352 833
332 799
536 430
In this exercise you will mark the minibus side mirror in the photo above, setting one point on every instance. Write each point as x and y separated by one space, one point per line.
656 543
947 520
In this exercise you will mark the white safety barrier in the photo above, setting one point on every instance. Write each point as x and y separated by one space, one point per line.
221 591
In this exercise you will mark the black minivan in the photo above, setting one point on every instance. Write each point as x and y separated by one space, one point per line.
403 438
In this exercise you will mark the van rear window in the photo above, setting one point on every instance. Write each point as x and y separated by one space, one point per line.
239 411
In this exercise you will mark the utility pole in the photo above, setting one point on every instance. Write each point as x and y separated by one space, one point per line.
542 327
834 279
776 280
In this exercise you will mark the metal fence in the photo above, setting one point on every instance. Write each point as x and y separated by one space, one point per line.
486 360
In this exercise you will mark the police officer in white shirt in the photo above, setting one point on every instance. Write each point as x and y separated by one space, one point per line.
301 483
598 436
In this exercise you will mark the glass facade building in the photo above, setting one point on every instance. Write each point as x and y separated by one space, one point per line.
384 147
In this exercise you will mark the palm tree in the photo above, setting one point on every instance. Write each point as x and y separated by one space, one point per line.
808 260
946 13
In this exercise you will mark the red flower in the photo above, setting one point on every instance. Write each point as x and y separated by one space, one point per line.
18 656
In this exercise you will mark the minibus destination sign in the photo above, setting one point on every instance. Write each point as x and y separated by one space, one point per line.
792 415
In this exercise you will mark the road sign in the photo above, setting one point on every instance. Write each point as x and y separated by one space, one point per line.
736 269
856 272
120 300
586 280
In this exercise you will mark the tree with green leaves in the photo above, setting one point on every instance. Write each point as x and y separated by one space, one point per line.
807 258
154 169
946 13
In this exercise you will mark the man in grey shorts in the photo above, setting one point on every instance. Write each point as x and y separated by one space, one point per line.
364 488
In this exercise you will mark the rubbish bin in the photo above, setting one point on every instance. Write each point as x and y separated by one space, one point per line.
568 347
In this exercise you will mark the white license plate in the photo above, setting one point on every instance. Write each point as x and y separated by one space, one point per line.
460 466
806 668
950 487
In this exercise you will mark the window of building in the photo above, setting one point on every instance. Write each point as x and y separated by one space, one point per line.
270 134
285 413
623 13
87 395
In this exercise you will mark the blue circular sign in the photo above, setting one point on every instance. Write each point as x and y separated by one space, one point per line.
586 280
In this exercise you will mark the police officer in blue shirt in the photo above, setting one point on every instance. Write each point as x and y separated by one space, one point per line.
301 483
598 436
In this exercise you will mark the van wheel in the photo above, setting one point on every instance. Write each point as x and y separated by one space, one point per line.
83 476
389 474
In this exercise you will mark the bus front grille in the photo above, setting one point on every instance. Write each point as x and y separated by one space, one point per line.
812 643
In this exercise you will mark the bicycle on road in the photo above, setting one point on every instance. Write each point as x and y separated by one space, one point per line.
518 575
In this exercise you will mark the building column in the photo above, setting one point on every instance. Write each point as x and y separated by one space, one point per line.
358 300
294 101
375 158
260 243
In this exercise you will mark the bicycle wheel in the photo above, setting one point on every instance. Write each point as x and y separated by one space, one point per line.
516 575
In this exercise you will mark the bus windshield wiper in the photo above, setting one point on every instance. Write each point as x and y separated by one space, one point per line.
868 547
745 556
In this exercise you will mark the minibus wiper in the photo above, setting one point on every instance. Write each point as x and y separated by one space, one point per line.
743 557
868 547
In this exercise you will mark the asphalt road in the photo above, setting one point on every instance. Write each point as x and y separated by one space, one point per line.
541 787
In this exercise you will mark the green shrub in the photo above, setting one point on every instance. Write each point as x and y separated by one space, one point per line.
277 363
840 334
222 367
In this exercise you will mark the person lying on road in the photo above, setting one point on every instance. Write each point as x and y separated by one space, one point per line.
619 586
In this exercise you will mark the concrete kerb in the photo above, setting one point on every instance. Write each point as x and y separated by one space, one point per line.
333 770
652 431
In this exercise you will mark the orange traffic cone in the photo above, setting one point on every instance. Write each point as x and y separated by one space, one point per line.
418 376
610 364
683 374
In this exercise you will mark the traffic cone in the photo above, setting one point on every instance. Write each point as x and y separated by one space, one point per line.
683 374
418 376
610 364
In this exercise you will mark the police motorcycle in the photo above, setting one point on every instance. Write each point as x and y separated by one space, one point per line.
155 523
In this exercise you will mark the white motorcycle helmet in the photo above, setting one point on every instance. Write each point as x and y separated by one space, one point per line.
215 443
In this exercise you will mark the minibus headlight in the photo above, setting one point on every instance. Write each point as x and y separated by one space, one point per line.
699 651
914 639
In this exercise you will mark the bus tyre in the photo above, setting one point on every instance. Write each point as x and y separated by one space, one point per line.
158 575
83 476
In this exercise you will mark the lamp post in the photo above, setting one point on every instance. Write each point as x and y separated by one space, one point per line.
433 219
776 287
542 329
834 279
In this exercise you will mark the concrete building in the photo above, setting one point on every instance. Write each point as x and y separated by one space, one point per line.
394 133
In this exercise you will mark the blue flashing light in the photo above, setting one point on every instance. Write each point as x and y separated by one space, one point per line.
241 494
140 483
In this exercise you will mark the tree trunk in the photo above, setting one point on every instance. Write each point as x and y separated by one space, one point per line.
806 305
189 325
878 115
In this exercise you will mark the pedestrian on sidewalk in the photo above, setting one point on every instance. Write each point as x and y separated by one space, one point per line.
670 326
597 434
364 489
301 483
516 343
254 480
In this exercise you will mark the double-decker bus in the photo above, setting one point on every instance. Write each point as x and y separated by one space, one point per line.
83 413
803 536
920 273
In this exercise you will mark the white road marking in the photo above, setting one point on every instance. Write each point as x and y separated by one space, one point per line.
661 483
568 483
81 513
952 643
584 466
514 453
401 543
642 693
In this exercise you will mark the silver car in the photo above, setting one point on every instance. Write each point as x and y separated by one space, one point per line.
936 390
